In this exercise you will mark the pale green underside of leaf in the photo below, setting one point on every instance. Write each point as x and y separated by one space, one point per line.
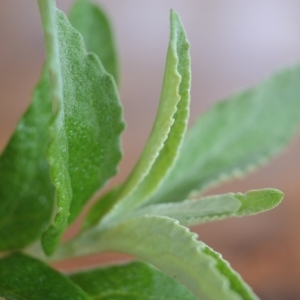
200 210
94 26
134 281
25 278
85 129
236 136
172 248
168 130
26 191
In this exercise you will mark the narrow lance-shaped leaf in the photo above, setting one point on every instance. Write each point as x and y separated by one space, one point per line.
236 136
168 130
26 191
172 248
84 149
168 154
25 278
134 281
94 26
200 210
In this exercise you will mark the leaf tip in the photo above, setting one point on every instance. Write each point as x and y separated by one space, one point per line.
257 201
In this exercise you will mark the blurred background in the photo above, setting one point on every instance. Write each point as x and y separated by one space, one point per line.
234 44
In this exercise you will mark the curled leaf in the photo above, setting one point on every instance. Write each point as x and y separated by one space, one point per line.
85 129
166 137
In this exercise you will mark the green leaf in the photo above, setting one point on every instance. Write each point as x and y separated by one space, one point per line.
95 28
258 201
134 281
26 191
25 278
86 124
236 136
172 248
195 211
168 130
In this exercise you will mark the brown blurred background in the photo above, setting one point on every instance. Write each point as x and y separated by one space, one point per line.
234 44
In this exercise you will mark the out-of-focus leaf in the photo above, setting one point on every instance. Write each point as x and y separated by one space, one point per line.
134 281
168 130
172 248
25 278
196 211
95 28
85 129
26 191
100 208
236 136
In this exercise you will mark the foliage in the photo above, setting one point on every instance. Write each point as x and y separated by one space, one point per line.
67 146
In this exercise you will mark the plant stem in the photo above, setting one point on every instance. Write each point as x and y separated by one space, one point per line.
81 245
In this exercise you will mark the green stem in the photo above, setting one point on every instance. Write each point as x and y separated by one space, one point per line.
80 246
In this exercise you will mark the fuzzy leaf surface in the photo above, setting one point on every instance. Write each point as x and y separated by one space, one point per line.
169 128
196 211
170 247
26 191
134 281
95 28
86 125
25 278
236 136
